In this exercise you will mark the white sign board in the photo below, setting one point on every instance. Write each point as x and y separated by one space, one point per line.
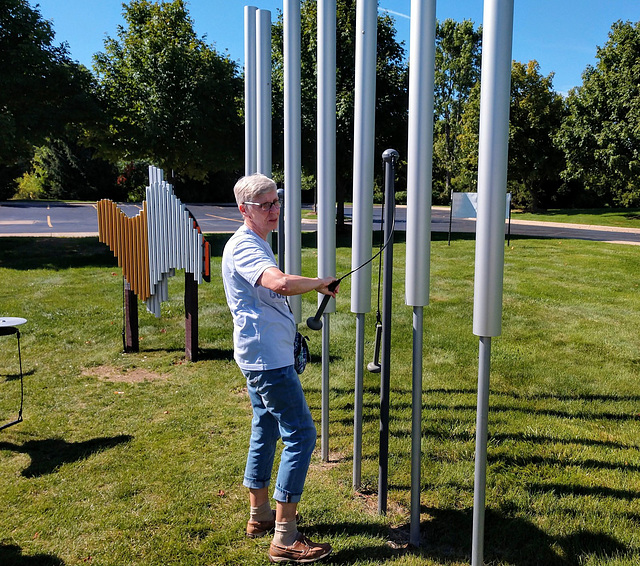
465 205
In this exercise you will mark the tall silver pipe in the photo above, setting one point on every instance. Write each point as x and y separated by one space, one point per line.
326 169
250 132
326 158
363 152
362 220
263 92
418 251
292 145
357 403
495 98
420 151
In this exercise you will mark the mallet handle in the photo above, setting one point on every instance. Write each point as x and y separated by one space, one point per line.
314 322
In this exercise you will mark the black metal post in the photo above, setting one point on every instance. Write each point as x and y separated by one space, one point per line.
281 231
190 317
389 157
131 339
450 219
509 228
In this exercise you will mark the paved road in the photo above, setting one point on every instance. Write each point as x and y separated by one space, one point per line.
74 220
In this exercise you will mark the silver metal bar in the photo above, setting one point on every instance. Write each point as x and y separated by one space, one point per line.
358 402
480 476
416 425
324 445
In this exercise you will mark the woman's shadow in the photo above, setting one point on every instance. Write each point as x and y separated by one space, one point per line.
11 555
49 454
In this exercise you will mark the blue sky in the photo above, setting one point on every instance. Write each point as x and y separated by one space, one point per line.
562 35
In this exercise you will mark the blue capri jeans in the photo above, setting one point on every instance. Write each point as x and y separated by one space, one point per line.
280 410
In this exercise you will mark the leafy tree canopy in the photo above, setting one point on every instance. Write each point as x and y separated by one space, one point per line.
601 134
43 90
534 117
170 98
457 70
391 89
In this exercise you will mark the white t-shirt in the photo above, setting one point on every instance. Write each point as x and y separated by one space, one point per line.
263 326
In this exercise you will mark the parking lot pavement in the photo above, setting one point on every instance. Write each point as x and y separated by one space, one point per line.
58 219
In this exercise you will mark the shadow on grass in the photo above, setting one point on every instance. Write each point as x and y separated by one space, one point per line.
495 408
12 556
449 533
543 439
447 536
212 354
560 490
48 455
54 253
535 396
14 376
588 463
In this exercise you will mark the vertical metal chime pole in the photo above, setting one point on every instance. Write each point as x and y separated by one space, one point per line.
390 156
263 91
292 145
326 185
495 97
250 125
363 156
263 94
419 181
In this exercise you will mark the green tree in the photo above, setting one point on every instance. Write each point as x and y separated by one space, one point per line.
170 98
535 115
42 92
391 91
71 171
601 133
536 112
457 70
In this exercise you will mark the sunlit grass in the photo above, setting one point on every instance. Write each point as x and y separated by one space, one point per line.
137 459
617 217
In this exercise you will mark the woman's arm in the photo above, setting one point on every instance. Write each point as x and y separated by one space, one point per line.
288 285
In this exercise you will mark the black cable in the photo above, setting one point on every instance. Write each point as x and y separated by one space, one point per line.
314 322
21 380
378 315
373 257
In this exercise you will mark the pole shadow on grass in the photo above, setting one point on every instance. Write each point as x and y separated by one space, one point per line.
11 555
448 534
446 537
48 455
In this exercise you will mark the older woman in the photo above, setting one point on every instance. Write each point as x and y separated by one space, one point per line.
263 336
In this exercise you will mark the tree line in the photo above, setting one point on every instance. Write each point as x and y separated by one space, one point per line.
159 94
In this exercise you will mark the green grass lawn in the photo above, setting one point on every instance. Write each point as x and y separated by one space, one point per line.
617 217
137 459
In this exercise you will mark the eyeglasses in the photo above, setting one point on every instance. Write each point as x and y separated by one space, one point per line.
265 206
